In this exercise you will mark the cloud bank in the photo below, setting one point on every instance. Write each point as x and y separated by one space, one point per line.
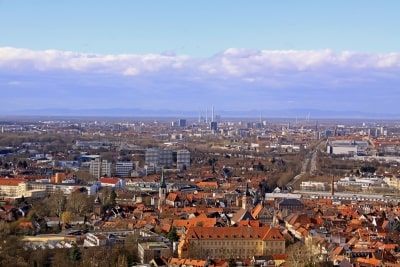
235 79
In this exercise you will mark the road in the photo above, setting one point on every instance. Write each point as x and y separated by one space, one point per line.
309 164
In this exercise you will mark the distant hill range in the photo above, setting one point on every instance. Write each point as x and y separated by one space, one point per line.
136 112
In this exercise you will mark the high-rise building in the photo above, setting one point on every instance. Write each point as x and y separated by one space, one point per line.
158 157
214 126
165 158
123 168
182 123
183 159
151 156
99 167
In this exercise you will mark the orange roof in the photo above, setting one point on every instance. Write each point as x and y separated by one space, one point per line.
370 261
257 209
172 196
11 181
198 221
240 232
207 184
186 262
249 223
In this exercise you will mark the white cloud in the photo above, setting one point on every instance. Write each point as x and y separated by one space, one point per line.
237 77
231 62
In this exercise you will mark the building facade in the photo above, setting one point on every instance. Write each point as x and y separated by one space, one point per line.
231 242
99 167
123 168
183 159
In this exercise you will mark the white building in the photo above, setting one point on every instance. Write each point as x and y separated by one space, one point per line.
347 147
313 186
363 182
112 182
99 168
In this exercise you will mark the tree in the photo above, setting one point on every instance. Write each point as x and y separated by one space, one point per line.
11 252
113 197
300 255
79 203
173 235
74 253
231 263
84 176
57 203
66 217
122 261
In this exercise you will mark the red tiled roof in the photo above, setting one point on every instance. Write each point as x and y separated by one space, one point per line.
242 232
11 181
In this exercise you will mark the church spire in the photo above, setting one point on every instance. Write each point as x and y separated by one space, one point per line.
247 193
162 181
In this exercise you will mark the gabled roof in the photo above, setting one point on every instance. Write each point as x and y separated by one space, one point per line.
242 214
264 233
256 211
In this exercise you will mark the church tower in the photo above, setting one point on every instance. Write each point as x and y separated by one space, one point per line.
246 198
162 191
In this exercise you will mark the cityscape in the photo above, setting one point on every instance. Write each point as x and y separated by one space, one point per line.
124 141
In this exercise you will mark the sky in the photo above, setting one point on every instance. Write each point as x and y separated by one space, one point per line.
185 55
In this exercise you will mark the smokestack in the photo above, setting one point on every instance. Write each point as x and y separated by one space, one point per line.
212 114
206 115
199 116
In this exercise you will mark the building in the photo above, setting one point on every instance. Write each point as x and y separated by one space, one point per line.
347 147
13 188
152 156
123 168
241 242
18 188
150 250
183 159
289 205
214 126
165 158
182 123
66 188
313 186
162 192
111 182
99 167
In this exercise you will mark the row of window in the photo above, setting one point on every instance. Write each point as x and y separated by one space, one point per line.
240 242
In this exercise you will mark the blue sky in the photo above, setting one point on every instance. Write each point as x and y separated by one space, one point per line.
199 28
341 55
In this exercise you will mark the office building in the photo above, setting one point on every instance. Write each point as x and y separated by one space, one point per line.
182 123
123 168
99 167
151 156
183 159
214 126
165 158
